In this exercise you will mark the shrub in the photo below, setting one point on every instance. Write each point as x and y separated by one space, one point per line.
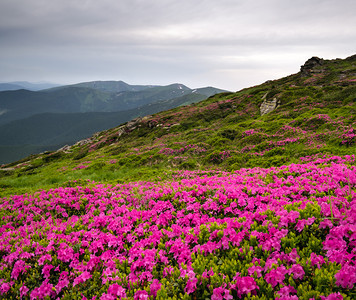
230 134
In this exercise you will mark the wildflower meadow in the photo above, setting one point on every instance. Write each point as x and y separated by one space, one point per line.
284 232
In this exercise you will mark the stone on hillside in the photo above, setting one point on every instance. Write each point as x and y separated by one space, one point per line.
268 105
310 66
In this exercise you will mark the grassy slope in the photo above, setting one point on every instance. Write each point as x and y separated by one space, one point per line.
50 131
317 115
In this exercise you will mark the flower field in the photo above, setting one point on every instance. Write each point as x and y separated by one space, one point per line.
285 232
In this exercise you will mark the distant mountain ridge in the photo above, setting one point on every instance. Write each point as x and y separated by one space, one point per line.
18 85
113 86
28 118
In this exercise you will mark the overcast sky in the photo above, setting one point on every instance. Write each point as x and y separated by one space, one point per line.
229 44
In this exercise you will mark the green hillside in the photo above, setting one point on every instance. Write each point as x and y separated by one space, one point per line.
33 122
246 195
51 131
315 116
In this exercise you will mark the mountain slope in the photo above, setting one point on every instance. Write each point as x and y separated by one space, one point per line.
23 103
282 228
51 131
86 97
9 87
29 118
315 114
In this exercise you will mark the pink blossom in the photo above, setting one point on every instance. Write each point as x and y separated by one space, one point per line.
255 271
286 291
276 276
46 271
293 255
167 271
117 291
155 286
82 278
244 285
107 297
62 283
346 277
65 253
23 290
221 293
191 286
43 258
4 287
46 289
141 295
19 267
300 225
333 296
297 271
316 260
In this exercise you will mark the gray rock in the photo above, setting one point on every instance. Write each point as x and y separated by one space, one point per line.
310 66
268 106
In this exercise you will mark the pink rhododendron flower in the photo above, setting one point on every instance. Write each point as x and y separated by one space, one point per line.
141 295
293 255
333 296
152 229
191 286
297 271
167 271
19 267
62 283
46 289
46 271
255 271
82 278
310 221
286 291
244 285
346 277
107 297
4 287
276 276
300 225
117 291
23 290
155 286
43 258
221 293
65 253
316 260
325 223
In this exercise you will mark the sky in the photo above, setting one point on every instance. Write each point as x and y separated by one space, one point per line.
229 44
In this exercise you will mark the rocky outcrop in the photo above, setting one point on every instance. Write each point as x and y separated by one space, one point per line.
311 66
268 105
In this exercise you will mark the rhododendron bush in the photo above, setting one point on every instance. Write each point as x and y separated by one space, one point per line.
286 232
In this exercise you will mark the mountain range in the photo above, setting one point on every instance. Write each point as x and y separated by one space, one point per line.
35 121
18 85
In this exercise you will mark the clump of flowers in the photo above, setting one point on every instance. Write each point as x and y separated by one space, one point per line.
283 232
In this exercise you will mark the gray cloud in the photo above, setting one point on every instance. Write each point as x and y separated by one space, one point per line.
226 43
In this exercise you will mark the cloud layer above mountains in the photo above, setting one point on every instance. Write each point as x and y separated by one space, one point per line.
228 43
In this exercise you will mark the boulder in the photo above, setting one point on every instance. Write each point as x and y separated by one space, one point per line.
310 66
268 105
